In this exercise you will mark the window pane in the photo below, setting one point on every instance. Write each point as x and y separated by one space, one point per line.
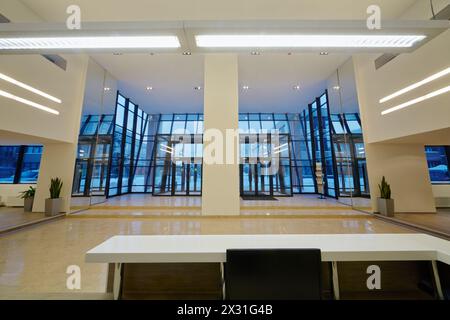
164 127
437 164
91 127
120 115
8 162
31 162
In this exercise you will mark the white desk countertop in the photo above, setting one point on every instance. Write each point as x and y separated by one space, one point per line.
212 248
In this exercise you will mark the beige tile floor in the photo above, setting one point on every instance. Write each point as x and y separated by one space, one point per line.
439 221
33 261
11 217
263 212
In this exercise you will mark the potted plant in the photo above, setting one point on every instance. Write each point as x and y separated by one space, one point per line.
385 203
28 198
53 204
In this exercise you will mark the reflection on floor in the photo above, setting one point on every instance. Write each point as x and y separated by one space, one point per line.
14 217
439 221
33 261
147 206
147 201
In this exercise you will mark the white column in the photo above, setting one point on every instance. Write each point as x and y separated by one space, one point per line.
220 181
58 161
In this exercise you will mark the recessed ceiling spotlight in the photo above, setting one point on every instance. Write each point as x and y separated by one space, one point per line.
289 53
255 53
336 88
117 54
245 87
296 87
198 88
187 53
107 88
149 88
323 53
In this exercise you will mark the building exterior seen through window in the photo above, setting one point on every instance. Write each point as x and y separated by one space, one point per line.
438 160
126 152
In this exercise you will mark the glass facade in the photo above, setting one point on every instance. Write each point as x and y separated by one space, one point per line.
19 164
321 144
162 154
350 155
438 160
91 165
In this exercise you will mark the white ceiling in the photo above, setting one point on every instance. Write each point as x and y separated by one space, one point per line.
270 79
147 10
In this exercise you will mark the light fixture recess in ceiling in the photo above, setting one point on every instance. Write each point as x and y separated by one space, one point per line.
245 87
91 42
149 88
416 100
198 88
29 88
307 41
416 85
296 87
27 102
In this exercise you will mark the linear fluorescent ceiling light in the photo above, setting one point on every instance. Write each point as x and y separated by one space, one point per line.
97 42
417 100
416 85
308 41
27 102
29 88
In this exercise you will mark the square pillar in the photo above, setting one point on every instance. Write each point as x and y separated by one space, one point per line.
220 181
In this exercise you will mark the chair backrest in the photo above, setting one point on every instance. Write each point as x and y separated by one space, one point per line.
278 274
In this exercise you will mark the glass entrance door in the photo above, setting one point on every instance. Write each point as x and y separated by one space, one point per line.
248 179
254 181
186 177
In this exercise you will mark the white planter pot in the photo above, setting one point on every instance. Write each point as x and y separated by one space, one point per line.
386 207
28 204
53 206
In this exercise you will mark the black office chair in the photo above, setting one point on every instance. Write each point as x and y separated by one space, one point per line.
278 274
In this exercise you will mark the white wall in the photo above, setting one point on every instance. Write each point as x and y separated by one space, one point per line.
12 190
441 195
404 70
344 78
96 99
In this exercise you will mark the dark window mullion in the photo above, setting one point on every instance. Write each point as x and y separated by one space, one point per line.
19 165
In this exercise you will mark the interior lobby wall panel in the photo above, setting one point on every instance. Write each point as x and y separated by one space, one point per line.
36 71
441 195
220 184
96 99
58 160
405 168
347 87
404 70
